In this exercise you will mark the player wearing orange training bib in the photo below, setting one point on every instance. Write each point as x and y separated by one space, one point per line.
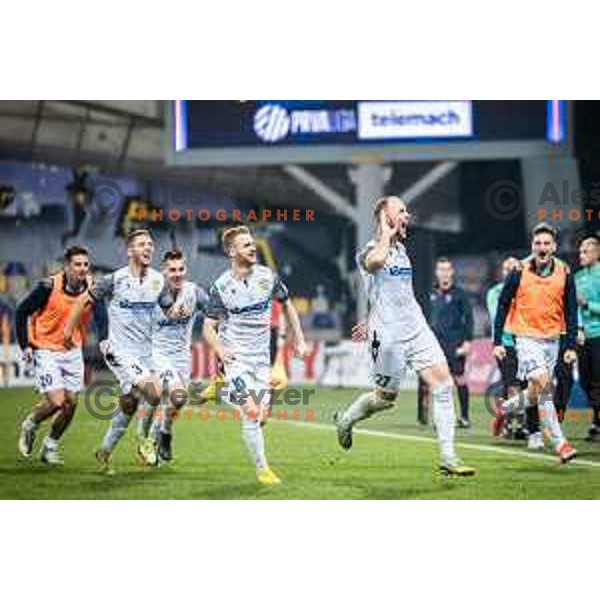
537 305
40 322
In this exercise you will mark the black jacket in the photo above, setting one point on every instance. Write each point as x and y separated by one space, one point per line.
451 315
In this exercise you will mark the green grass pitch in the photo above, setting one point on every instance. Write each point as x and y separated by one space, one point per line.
393 458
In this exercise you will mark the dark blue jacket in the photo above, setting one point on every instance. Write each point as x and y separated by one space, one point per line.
451 315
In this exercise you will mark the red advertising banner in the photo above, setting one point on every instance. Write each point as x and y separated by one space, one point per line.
481 366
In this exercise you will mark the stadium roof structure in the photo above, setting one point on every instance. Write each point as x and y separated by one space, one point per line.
123 136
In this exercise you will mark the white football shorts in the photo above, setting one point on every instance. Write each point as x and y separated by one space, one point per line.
58 370
247 376
169 370
536 356
390 359
128 369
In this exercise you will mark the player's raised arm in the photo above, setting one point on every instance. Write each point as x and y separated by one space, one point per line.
376 256
75 319
166 301
103 288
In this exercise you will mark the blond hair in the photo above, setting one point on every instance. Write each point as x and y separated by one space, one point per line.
228 236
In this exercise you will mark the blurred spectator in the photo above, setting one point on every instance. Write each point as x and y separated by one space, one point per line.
7 311
7 196
3 279
77 194
587 281
5 308
15 282
321 317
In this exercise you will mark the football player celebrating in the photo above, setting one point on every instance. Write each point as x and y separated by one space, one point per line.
237 328
537 305
132 293
399 336
40 321
171 349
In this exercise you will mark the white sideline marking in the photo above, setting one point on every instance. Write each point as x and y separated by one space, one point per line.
416 438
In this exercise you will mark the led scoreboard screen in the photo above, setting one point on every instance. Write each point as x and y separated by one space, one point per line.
198 126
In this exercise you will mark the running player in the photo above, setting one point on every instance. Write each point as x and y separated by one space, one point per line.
399 336
40 321
171 349
237 329
279 378
132 292
537 304
587 281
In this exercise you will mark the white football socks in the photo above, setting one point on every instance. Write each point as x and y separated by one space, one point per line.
118 426
549 421
169 414
253 437
363 407
144 414
444 419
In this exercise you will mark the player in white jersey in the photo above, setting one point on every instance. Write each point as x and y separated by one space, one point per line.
171 349
237 328
132 293
399 336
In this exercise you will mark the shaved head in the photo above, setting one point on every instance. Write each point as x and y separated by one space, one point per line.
396 213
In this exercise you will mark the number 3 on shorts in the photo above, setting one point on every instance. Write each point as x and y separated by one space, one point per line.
136 369
382 380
